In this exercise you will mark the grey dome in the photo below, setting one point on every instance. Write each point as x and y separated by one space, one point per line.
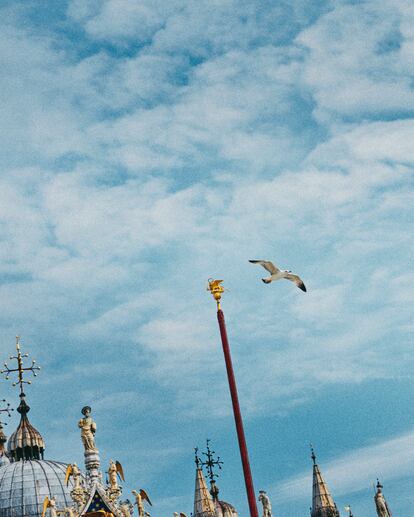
25 484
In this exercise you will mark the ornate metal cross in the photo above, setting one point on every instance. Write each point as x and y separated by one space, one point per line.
210 462
197 458
6 409
20 370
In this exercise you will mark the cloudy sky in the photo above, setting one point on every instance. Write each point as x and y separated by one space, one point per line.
149 145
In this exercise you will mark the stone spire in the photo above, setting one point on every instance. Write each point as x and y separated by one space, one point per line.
323 504
203 504
381 503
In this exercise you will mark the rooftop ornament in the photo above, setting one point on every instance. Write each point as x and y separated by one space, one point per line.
21 369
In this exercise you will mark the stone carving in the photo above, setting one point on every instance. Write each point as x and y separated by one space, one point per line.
140 497
380 502
51 505
113 475
267 507
127 508
73 471
114 470
88 430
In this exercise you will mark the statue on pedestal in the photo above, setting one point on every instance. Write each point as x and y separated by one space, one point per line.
140 497
267 507
88 430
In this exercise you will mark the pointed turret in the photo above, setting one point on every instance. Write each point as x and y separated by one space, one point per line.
323 504
203 504
381 503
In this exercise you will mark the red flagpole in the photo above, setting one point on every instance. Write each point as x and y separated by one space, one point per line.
216 290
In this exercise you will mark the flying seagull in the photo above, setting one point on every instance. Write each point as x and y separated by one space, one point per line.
277 274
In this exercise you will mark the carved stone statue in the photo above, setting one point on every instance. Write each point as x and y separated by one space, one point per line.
140 497
73 471
49 504
113 475
88 430
381 503
127 508
267 507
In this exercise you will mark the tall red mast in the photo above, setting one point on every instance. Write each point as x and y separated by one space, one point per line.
216 290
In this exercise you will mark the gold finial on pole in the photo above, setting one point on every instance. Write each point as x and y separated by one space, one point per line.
216 289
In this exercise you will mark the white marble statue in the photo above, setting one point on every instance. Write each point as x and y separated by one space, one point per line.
267 507
380 502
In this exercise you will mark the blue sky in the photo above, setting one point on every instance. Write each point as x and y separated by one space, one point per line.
150 145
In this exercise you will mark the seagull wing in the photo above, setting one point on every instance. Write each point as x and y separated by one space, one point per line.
144 496
269 266
297 280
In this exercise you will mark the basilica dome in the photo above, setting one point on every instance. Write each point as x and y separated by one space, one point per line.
26 479
24 485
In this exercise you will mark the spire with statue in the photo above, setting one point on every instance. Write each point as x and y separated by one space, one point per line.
380 502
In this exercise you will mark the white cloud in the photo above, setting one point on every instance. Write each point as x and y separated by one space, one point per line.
134 172
356 67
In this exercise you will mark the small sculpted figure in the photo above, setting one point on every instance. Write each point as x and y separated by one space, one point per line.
127 508
115 470
74 472
380 502
267 507
51 505
140 497
88 430
112 475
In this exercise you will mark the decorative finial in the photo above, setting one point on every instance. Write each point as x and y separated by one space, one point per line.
210 462
313 456
196 458
216 289
20 370
6 409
